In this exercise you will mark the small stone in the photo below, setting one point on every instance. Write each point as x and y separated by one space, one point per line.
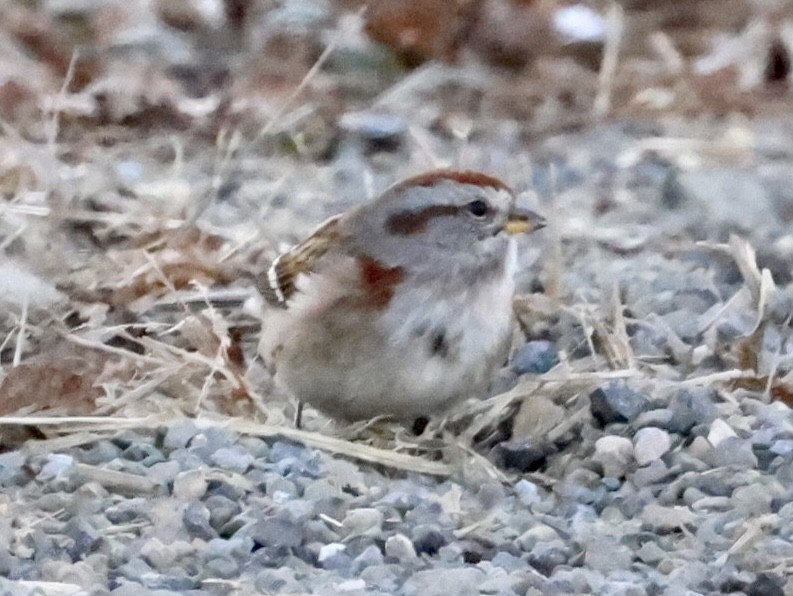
700 448
655 472
371 555
400 547
144 453
275 483
615 454
278 581
221 510
351 585
548 556
605 554
11 468
164 472
616 402
381 131
780 447
363 521
766 585
755 499
490 494
86 538
528 492
708 504
660 417
276 532
666 519
190 485
651 553
649 444
58 466
179 434
232 458
522 455
719 431
163 556
536 535
733 451
330 550
442 582
383 577
99 452
196 521
535 357
222 567
428 539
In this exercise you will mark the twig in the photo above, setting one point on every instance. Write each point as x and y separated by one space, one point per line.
20 344
608 67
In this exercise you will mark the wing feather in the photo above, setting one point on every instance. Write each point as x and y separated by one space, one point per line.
278 284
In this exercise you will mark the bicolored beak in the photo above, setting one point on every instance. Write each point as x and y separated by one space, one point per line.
524 221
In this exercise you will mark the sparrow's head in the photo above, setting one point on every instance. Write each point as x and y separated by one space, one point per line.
444 213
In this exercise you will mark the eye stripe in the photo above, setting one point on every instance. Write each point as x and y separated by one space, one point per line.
406 223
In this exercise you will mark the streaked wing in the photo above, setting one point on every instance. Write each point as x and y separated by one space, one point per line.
278 284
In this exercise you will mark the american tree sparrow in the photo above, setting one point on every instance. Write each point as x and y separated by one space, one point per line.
401 306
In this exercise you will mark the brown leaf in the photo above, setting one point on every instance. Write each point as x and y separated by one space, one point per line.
48 386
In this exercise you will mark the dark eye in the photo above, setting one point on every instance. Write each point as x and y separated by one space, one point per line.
478 208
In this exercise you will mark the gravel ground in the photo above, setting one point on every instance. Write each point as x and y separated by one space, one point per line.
673 477
639 441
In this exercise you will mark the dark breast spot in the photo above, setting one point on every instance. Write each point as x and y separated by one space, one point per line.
439 346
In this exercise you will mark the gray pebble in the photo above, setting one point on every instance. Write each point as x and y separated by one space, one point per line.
733 451
617 402
222 567
665 519
365 520
234 458
145 454
691 407
756 498
528 492
278 581
606 554
11 468
371 555
400 548
615 454
535 357
276 532
196 521
439 582
164 472
649 444
98 452
221 510
163 556
85 536
275 483
384 577
660 417
428 539
190 485
651 474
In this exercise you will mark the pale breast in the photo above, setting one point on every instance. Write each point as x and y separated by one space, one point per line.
419 354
